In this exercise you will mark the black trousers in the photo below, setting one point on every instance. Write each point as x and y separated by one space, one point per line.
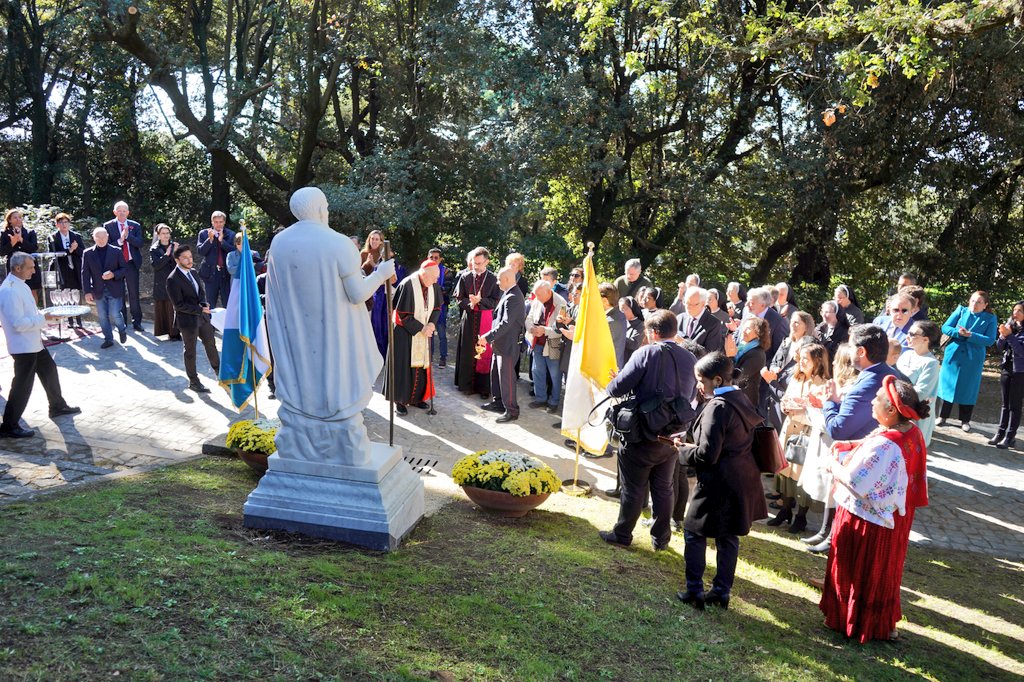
681 488
28 366
1011 388
946 409
218 286
205 333
131 280
503 381
642 465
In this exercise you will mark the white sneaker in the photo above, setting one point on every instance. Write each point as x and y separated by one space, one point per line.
966 426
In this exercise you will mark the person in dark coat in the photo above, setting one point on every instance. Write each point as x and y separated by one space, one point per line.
847 302
161 253
69 267
634 324
728 497
616 320
15 238
126 235
477 293
504 337
755 339
698 324
1011 378
660 372
192 312
834 329
417 306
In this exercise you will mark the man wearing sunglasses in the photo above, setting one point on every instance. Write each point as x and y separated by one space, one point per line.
897 318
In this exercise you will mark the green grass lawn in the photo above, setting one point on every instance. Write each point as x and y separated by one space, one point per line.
154 577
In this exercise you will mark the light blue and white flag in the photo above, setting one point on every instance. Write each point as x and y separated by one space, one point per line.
245 351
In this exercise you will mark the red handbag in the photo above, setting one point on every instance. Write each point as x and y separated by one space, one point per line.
767 450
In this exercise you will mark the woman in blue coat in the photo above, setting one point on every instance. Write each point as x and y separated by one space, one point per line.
971 329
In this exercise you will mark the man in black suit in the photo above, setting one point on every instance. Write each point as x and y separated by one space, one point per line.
697 324
65 240
759 304
191 312
126 235
215 243
509 326
103 271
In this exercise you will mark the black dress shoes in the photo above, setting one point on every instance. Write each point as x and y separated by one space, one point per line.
611 538
694 600
996 438
198 388
16 432
138 328
493 406
715 599
401 409
123 336
535 404
1006 443
614 492
106 344
63 411
506 418
423 405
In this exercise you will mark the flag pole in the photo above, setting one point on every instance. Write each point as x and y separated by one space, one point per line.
390 378
252 360
575 488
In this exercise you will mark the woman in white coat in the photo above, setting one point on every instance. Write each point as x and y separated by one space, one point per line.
923 369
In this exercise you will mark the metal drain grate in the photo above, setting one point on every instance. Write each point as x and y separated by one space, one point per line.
421 465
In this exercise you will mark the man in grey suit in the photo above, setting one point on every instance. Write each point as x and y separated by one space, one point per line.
509 325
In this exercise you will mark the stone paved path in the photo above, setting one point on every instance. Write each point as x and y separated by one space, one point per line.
137 415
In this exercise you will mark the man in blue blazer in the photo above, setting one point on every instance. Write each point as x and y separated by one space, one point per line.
851 418
215 243
103 275
126 236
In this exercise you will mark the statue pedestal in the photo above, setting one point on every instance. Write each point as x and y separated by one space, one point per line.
374 506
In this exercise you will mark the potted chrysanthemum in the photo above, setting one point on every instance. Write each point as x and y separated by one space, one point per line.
253 441
508 483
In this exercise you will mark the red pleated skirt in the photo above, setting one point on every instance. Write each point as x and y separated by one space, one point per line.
861 598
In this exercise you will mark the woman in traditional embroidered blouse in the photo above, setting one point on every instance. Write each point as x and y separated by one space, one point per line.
879 483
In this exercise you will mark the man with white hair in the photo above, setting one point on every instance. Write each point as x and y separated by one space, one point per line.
504 336
103 275
417 311
698 324
759 302
678 306
546 340
630 283
126 236
22 323
214 244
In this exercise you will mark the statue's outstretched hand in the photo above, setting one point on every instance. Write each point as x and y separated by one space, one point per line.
386 269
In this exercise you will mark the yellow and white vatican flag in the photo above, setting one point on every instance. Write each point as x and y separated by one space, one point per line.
590 364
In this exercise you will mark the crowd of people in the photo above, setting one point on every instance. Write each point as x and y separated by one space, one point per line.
853 403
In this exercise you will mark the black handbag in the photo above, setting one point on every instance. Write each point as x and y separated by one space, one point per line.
767 450
796 448
637 421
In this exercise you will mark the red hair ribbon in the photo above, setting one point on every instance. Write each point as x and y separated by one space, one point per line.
889 382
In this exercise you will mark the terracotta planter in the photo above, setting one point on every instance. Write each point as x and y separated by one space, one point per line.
504 504
257 461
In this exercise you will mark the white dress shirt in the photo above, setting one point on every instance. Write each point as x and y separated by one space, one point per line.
19 316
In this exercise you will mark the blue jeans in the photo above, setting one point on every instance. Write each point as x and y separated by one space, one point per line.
441 334
108 309
694 553
543 368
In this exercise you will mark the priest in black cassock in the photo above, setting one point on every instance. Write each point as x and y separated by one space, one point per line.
477 293
417 310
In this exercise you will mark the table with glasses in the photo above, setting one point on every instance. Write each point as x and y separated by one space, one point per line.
65 305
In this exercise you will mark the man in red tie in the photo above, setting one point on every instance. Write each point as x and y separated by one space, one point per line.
215 243
126 235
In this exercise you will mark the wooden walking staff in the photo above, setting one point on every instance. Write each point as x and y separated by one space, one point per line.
390 378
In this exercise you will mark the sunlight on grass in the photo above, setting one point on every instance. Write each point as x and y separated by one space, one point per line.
986 654
969 616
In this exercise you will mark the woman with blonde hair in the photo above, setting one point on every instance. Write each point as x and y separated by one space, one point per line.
811 371
815 478
370 257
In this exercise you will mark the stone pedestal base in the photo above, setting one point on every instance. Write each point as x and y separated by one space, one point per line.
375 505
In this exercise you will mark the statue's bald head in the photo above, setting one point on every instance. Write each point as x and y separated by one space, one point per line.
309 203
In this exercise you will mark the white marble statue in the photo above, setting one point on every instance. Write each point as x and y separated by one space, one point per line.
326 358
